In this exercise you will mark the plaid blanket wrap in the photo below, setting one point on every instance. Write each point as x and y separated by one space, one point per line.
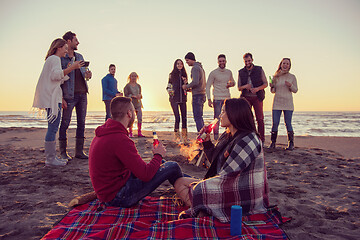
156 218
241 181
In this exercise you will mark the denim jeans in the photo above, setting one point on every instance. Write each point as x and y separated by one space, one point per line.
217 110
138 114
134 189
259 114
276 114
80 103
198 101
53 127
175 107
107 109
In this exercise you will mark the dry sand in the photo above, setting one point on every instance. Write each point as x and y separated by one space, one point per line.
317 184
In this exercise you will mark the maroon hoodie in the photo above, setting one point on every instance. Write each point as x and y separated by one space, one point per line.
113 157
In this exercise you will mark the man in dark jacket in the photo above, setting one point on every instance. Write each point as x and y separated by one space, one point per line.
252 82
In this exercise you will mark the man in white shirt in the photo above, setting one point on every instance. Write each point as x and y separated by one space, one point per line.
221 79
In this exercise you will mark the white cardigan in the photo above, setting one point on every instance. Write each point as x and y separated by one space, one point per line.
48 93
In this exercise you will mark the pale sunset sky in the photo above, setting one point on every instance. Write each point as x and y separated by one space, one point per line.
322 38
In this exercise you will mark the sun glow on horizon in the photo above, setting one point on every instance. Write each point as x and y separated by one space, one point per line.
147 37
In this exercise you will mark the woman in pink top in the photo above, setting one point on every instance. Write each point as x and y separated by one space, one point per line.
283 85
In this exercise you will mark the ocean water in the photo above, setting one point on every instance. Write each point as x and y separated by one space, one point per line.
345 124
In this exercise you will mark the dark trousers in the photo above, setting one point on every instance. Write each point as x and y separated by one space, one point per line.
259 114
175 107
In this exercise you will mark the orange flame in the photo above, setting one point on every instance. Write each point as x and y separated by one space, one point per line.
191 150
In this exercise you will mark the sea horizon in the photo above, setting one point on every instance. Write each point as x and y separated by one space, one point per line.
305 123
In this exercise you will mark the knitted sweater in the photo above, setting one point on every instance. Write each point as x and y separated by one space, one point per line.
219 79
283 99
48 93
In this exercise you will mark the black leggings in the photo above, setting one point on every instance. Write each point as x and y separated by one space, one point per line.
175 108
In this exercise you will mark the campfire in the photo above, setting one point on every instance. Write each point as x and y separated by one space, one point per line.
195 154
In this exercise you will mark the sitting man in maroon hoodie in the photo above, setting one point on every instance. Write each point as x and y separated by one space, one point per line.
118 174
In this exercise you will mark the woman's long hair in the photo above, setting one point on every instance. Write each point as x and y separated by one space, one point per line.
239 112
278 71
57 43
129 77
175 72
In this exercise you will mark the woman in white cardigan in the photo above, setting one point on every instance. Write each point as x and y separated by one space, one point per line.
284 85
48 95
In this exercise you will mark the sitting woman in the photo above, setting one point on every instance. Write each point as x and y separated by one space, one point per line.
237 175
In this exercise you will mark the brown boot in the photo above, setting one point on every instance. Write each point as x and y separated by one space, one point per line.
79 149
273 140
177 136
291 141
184 135
63 153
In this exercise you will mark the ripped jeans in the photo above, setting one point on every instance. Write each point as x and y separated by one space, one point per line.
134 189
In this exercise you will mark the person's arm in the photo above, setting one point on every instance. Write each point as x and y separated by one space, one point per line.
231 82
209 83
263 86
293 85
140 95
195 73
75 65
57 73
127 91
129 156
242 87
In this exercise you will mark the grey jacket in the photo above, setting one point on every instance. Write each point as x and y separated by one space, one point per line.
198 83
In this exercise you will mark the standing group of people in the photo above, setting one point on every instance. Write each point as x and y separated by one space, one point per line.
119 175
131 90
251 82
61 88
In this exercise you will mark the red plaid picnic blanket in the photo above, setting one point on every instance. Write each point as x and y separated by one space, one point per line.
156 218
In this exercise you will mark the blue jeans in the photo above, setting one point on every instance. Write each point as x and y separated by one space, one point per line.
80 103
134 189
217 110
175 107
53 127
107 109
276 114
198 101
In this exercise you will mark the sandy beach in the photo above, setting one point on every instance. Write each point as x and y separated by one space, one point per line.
317 184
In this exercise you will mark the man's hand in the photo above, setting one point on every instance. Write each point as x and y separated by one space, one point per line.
247 86
159 149
184 87
210 103
230 84
254 90
88 74
64 104
288 84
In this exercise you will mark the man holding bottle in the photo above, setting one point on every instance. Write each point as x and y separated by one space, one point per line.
221 79
252 82
120 177
74 96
